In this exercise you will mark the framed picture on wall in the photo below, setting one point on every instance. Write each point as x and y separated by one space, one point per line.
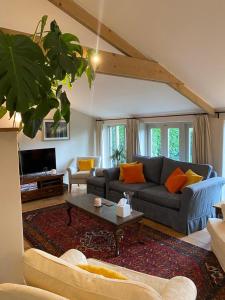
61 133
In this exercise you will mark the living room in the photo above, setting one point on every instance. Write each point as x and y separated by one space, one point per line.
118 180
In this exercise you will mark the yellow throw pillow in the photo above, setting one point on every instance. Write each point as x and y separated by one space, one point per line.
103 271
192 177
121 178
85 164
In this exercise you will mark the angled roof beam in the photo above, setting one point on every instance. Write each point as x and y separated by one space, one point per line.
82 16
120 65
125 66
90 22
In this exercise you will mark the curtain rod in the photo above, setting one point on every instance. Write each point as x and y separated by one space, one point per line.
152 117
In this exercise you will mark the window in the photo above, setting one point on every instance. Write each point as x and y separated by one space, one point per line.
173 140
114 145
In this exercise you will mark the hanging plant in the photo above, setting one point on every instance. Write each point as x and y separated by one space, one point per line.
34 71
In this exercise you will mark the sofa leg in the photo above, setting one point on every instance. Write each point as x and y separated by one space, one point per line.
70 188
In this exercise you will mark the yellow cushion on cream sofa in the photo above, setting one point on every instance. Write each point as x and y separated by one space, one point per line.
102 271
58 276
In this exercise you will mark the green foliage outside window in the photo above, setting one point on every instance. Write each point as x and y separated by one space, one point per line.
118 144
156 142
174 143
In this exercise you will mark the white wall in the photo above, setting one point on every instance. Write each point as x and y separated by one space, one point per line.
11 234
81 142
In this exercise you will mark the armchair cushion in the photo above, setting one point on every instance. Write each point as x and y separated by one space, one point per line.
81 174
85 164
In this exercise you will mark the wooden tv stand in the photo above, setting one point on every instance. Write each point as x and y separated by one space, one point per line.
41 185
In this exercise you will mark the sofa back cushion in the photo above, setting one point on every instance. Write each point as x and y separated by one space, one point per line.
58 276
169 165
152 167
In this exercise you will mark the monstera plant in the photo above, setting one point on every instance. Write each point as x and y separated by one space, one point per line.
34 72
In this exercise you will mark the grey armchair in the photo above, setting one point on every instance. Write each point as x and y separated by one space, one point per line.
80 177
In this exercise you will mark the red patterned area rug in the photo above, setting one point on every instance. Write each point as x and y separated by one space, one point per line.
160 255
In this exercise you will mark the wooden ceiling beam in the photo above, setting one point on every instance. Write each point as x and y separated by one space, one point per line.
83 17
86 19
125 66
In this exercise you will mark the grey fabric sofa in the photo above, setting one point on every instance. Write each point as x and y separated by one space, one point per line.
96 185
185 212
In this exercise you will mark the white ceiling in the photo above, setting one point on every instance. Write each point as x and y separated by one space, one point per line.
113 97
187 37
186 40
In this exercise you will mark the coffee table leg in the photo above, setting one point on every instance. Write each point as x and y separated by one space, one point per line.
118 234
140 238
69 215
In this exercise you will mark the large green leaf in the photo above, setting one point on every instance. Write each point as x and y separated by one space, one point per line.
64 54
22 80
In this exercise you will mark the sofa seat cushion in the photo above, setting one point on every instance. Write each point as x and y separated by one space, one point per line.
96 181
169 165
81 174
159 195
119 186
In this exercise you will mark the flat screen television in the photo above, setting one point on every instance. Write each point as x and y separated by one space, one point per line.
37 160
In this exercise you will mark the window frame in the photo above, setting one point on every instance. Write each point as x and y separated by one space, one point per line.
183 138
107 149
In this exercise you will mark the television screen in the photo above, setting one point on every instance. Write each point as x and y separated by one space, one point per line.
37 160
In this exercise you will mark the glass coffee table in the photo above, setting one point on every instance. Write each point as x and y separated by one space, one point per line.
106 212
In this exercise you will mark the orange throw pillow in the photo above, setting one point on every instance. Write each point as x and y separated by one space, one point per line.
121 168
175 181
133 173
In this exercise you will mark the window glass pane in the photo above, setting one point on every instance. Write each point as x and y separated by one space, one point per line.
155 142
174 143
190 143
117 144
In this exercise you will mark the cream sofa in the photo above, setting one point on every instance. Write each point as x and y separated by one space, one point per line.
216 228
11 291
63 277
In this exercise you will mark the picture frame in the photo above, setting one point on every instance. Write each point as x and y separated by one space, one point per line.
61 133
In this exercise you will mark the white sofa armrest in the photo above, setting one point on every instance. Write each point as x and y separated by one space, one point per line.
179 288
74 257
10 291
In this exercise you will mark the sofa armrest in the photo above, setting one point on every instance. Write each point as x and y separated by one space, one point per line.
15 291
199 198
74 257
179 288
111 174
72 169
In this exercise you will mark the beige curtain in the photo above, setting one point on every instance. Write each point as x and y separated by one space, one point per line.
99 139
132 138
202 146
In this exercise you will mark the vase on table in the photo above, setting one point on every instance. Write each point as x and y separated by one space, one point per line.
128 196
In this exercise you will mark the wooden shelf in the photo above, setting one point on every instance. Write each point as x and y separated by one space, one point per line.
47 185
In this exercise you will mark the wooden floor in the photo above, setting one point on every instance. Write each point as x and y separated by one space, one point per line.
199 238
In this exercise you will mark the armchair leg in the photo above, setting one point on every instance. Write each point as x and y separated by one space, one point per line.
70 188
